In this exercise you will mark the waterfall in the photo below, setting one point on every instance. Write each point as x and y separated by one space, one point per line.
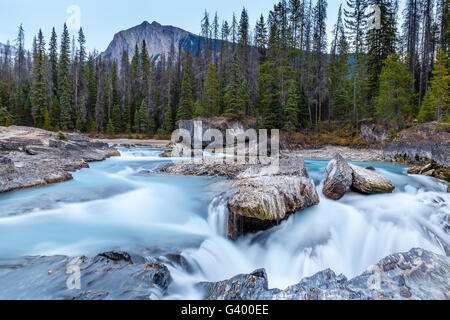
218 214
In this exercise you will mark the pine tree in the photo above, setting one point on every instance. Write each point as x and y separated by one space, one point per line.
291 109
355 21
143 119
436 102
394 100
186 107
233 98
169 124
53 61
39 86
64 82
210 99
381 43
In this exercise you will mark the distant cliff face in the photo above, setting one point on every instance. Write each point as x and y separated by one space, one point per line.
159 40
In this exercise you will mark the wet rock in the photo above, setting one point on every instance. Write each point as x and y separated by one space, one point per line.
106 276
38 157
415 275
252 286
339 178
230 170
263 202
432 169
292 166
117 256
370 182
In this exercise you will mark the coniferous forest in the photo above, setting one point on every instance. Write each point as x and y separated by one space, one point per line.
284 71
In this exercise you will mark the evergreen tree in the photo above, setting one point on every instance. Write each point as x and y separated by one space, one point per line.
39 86
53 63
291 109
394 100
64 82
381 42
210 99
186 106
436 102
233 96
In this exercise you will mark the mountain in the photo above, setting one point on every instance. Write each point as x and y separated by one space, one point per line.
158 38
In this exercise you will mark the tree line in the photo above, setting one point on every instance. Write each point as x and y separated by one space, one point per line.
284 73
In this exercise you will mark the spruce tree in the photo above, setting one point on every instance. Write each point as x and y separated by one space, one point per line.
436 102
64 82
186 106
210 99
39 86
233 96
394 101
291 109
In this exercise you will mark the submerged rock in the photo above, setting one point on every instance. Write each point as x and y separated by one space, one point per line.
33 157
339 178
416 275
370 182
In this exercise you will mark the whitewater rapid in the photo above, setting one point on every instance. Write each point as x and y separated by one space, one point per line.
123 203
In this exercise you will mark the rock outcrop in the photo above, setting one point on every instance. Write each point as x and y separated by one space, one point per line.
221 124
372 133
110 275
421 144
339 178
342 176
416 275
32 157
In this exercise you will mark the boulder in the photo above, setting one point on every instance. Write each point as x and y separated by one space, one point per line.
370 182
415 275
339 178
266 196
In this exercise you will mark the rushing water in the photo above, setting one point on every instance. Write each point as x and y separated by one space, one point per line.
122 203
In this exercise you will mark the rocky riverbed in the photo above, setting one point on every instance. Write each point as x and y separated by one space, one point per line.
32 157
414 275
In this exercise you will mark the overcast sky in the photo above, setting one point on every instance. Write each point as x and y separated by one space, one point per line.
101 19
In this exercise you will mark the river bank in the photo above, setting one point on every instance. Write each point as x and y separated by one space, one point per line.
31 157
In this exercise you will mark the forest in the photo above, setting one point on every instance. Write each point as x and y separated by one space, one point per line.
286 72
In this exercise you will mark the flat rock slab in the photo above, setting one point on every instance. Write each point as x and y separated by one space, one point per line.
32 157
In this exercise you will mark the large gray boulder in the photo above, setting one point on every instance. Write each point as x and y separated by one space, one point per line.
342 176
415 275
339 178
370 182
263 202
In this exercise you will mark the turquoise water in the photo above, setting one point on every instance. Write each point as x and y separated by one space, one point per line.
121 203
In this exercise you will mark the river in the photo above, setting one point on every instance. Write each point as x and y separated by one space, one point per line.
122 204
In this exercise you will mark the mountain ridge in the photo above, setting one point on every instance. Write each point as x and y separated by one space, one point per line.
159 39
